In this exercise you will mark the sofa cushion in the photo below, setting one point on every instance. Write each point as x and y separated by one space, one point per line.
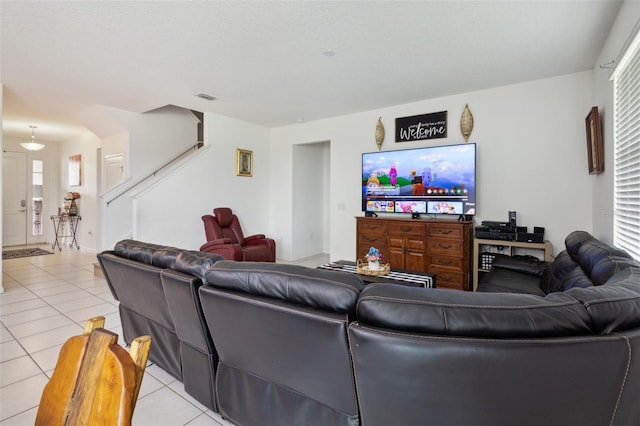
458 313
554 276
593 251
503 280
574 241
328 290
527 264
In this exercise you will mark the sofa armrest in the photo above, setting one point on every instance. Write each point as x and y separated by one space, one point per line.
524 264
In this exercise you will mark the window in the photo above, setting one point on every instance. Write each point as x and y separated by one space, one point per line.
37 182
626 117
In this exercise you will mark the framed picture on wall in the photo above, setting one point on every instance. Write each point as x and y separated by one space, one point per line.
75 170
595 148
244 162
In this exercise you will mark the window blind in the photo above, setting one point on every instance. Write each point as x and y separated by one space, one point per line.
626 77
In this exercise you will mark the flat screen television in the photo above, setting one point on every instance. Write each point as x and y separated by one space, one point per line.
431 180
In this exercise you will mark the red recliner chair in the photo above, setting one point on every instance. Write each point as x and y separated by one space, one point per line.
225 237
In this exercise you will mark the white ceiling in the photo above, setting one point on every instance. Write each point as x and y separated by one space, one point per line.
264 61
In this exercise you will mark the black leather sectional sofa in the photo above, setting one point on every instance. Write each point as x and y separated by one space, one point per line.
552 344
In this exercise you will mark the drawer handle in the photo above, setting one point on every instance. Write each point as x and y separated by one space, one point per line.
446 263
445 279
371 240
445 231
406 228
445 247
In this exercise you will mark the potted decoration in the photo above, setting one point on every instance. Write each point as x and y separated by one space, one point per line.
70 203
373 257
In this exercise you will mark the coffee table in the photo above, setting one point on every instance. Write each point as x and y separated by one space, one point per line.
396 276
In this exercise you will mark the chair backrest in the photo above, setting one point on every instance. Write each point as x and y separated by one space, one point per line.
95 381
229 225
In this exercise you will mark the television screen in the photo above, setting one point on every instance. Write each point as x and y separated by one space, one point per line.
431 180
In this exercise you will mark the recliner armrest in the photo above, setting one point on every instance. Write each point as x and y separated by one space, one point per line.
228 250
524 264
255 237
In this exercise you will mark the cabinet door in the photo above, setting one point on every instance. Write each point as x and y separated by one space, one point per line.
396 249
415 254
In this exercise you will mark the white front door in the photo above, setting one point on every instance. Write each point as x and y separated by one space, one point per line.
14 198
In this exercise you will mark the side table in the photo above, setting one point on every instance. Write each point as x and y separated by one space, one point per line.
65 226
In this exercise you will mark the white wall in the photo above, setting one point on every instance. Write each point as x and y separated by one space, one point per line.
86 145
148 142
531 157
170 212
602 184
1 206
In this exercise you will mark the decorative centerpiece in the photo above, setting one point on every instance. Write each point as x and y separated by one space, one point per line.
70 205
373 267
373 257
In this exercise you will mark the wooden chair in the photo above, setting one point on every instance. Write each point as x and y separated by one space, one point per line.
95 382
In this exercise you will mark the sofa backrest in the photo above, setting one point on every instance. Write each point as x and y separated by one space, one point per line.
331 291
411 378
180 286
281 336
137 286
456 313
133 271
416 350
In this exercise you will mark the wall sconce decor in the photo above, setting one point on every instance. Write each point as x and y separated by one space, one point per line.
379 133
466 123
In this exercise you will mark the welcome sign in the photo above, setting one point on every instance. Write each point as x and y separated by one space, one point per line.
419 127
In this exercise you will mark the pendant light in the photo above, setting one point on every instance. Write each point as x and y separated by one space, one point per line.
32 146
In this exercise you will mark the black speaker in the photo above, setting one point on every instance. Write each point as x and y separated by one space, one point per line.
512 220
530 238
538 230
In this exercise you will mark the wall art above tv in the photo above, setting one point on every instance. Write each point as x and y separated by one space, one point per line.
430 180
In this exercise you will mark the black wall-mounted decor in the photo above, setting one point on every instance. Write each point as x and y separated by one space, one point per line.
419 127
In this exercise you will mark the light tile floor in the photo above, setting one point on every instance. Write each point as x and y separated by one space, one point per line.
47 299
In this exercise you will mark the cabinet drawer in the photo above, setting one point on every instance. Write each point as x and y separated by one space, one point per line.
450 262
406 229
372 228
446 278
446 247
372 240
445 230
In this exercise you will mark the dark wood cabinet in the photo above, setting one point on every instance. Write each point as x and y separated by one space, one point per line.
438 247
